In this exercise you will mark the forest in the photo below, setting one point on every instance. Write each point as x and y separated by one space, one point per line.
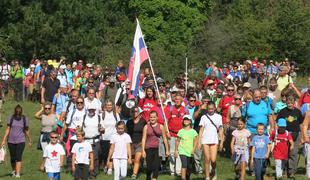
102 31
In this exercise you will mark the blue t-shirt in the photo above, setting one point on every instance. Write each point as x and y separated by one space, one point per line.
279 106
69 77
256 113
260 143
59 101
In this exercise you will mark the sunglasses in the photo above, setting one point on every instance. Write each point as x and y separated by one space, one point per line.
53 137
47 108
237 99
192 100
79 102
90 82
230 90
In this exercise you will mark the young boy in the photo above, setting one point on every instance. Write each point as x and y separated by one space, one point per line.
283 141
260 152
82 157
53 158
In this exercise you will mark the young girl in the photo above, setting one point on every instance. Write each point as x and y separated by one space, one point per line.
120 151
239 148
185 147
53 158
82 157
281 138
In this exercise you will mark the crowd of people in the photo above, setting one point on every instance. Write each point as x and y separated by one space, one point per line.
251 112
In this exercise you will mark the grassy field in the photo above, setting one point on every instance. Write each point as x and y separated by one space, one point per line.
32 156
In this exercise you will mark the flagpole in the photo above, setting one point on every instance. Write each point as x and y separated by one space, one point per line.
156 85
186 75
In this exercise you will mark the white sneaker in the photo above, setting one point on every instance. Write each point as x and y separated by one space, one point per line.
12 173
109 172
17 176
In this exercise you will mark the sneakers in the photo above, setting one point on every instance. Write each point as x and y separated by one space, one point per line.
109 172
213 174
12 173
133 177
17 176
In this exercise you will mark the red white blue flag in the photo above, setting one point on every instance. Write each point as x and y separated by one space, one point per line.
138 55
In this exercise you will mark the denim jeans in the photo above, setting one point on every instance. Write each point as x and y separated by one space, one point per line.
260 165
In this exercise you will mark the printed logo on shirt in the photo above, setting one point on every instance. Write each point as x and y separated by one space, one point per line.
81 149
54 153
291 118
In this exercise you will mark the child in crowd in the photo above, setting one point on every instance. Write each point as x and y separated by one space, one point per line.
82 157
239 148
260 152
53 158
185 146
281 138
120 151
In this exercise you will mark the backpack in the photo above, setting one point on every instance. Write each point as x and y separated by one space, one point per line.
114 114
84 117
24 122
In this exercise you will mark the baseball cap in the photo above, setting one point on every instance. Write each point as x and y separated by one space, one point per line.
282 122
247 85
187 117
91 106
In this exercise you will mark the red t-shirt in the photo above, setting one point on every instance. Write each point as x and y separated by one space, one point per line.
175 118
305 98
147 105
281 146
160 113
224 105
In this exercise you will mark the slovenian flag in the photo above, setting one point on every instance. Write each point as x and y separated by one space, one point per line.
138 55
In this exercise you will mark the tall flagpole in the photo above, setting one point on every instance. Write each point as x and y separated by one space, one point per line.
186 75
156 86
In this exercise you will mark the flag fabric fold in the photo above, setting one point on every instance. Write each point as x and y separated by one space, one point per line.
139 54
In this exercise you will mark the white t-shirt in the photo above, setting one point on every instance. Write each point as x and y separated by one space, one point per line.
95 102
5 70
109 123
81 151
52 153
77 120
91 128
209 135
120 148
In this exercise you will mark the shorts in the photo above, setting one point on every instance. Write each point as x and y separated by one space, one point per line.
55 175
136 147
241 157
81 171
187 162
16 151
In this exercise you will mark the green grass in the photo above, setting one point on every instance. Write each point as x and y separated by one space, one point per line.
32 156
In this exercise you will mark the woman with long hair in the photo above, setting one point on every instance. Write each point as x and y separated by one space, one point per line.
150 145
48 124
15 135
109 119
147 103
135 130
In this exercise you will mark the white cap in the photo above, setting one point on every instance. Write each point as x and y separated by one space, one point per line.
186 116
32 65
247 85
62 67
91 106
